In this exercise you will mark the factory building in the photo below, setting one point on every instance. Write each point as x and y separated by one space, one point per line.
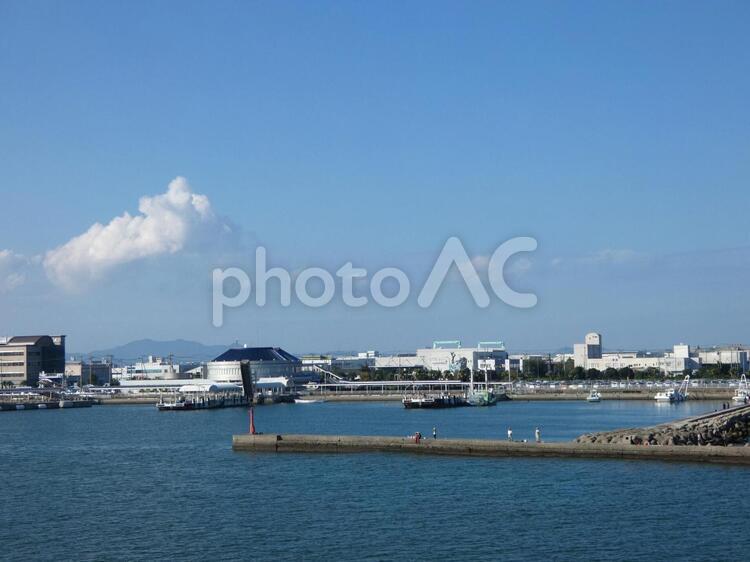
23 358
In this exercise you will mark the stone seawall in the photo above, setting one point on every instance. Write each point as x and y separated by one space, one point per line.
485 448
725 427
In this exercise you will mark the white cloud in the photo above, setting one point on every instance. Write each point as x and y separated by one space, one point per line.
612 256
607 256
12 270
167 224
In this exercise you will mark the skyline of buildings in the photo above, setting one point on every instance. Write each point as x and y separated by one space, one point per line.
24 358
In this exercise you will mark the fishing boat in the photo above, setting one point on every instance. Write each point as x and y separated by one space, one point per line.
483 396
742 394
671 395
308 400
594 396
666 395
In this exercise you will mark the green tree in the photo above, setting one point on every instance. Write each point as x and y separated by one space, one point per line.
570 366
535 368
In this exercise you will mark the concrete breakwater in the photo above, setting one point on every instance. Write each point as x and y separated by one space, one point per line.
485 448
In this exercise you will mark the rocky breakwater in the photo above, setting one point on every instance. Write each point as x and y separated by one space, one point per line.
721 428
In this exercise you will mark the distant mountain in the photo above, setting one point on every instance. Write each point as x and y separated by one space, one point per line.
182 351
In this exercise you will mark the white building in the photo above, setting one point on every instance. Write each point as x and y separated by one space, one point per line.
451 356
734 356
400 361
264 363
154 368
589 355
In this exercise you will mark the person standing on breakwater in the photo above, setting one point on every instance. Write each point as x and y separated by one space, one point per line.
538 435
510 434
434 432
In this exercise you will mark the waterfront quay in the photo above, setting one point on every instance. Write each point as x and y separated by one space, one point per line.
548 390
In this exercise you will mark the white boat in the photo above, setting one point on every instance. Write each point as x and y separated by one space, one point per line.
308 400
671 395
742 394
594 396
665 396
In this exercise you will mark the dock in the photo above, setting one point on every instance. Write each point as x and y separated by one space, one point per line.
486 448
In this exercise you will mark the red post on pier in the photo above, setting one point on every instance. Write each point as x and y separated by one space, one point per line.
252 421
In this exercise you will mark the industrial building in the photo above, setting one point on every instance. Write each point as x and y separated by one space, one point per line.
23 358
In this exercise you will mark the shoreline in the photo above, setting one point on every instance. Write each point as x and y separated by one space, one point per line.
530 397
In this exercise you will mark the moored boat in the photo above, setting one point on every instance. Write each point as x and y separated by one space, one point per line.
742 394
433 401
594 396
482 398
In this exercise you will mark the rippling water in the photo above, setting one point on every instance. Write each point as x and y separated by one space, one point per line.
129 483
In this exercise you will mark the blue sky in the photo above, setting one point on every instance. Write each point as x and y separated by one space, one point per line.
617 135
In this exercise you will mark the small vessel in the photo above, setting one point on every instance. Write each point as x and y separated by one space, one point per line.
671 395
75 403
594 396
433 401
485 396
206 396
742 394
482 398
308 400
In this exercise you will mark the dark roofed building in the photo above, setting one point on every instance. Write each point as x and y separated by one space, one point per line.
22 358
256 354
264 363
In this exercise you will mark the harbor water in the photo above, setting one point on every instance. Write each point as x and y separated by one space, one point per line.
132 483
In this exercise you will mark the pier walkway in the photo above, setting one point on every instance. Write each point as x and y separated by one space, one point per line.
486 448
